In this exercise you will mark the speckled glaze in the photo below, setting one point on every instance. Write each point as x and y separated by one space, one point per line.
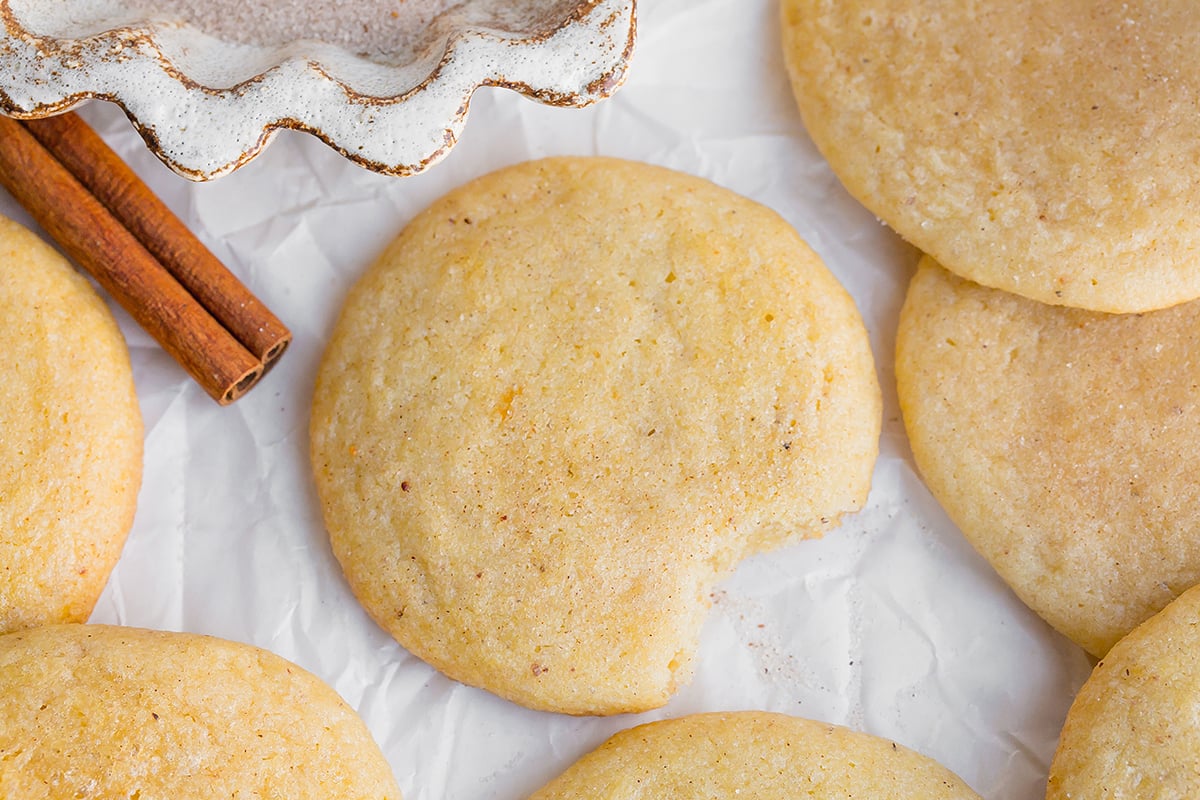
207 106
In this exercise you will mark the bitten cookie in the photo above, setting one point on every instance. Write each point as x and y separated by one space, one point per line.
752 754
1062 442
1045 147
70 437
569 398
98 711
1131 733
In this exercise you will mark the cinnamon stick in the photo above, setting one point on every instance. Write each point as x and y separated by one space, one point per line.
95 240
93 163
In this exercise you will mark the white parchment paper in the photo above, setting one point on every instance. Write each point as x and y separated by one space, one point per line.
891 624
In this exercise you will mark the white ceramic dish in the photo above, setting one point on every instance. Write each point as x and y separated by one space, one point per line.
206 105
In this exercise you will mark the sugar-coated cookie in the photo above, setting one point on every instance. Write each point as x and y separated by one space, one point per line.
107 712
1064 443
569 398
1045 147
70 437
752 754
1131 733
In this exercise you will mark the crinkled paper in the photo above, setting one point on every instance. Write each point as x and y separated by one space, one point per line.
891 624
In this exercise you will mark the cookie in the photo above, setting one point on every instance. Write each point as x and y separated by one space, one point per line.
1043 147
1131 732
566 400
1062 442
752 754
71 448
98 711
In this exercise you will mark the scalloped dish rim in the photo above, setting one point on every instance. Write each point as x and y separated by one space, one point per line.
203 133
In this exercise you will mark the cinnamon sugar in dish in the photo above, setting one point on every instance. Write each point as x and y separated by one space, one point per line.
367 27
361 26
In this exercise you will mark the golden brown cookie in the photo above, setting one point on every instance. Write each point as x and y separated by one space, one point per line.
1131 733
70 437
1045 147
1062 442
106 712
752 754
569 398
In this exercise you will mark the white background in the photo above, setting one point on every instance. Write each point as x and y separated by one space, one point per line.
892 624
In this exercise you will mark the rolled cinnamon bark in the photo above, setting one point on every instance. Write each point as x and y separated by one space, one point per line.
93 163
93 238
